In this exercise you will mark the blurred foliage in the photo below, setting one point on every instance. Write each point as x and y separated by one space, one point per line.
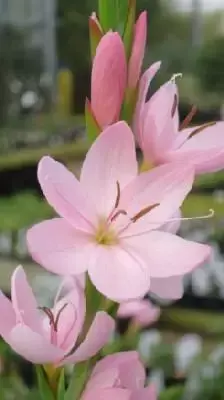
210 66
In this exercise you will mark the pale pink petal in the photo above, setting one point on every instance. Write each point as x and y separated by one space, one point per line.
171 288
168 255
71 318
138 50
174 224
159 126
107 394
115 360
97 337
131 370
8 317
24 302
64 193
143 90
118 274
103 379
205 150
58 247
111 159
32 346
143 312
148 393
109 78
167 186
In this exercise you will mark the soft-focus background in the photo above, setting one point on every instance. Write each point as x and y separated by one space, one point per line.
44 79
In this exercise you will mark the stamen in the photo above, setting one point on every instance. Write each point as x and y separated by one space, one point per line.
119 212
118 195
58 316
187 120
208 216
201 128
143 212
175 76
49 313
174 107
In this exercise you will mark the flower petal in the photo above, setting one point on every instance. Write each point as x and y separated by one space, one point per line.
131 370
64 193
32 346
205 150
8 317
168 255
107 394
58 247
106 164
24 302
117 274
138 50
143 312
71 318
148 393
143 90
167 186
108 81
97 337
171 288
159 127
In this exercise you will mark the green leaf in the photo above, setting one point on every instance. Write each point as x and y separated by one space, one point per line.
129 28
108 11
61 386
78 380
92 127
173 393
129 104
43 385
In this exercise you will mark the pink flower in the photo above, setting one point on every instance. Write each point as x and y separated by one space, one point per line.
163 139
109 78
119 376
43 335
138 51
142 312
171 288
110 220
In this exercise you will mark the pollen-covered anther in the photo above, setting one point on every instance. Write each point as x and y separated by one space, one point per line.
187 120
143 212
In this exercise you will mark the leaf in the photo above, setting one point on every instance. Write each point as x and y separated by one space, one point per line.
43 385
92 127
129 28
109 14
61 386
78 380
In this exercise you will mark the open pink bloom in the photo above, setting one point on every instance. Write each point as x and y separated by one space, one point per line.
110 220
109 76
43 335
119 376
163 139
138 51
142 312
171 288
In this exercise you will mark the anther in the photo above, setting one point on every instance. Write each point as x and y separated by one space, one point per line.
201 128
143 212
174 107
187 120
118 195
